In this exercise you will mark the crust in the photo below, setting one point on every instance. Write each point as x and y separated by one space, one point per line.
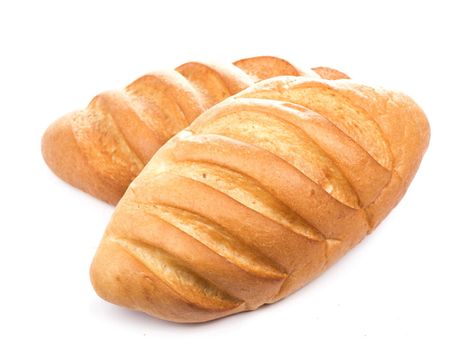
236 204
60 149
120 131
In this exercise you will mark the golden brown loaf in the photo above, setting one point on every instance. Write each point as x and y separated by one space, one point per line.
258 196
102 148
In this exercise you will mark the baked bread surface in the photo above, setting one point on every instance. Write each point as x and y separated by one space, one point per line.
102 148
258 196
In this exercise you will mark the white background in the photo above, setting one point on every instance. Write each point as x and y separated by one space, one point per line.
397 289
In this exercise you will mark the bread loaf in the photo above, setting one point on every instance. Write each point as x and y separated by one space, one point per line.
102 148
258 196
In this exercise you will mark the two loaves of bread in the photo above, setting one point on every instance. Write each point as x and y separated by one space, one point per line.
256 197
